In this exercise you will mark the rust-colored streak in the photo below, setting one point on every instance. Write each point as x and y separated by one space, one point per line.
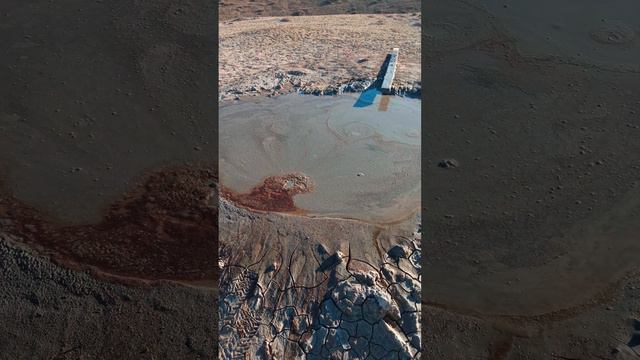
501 348
384 103
274 193
164 229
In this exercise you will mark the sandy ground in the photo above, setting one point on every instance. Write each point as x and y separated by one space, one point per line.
316 54
534 235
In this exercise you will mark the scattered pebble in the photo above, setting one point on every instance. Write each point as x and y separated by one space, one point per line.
448 163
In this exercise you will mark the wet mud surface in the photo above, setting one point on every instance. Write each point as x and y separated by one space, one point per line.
93 100
321 259
97 99
532 223
364 163
94 107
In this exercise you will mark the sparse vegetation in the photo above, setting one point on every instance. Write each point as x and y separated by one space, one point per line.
252 8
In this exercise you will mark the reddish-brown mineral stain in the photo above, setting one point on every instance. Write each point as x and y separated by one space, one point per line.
165 229
273 194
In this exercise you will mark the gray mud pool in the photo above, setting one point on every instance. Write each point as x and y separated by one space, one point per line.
363 158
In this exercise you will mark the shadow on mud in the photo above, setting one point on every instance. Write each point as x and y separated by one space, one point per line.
368 97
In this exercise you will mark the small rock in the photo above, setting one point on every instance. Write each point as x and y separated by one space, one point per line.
104 299
33 298
448 163
397 252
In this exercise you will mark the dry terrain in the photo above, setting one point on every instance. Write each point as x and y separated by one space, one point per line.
316 54
294 287
51 312
239 9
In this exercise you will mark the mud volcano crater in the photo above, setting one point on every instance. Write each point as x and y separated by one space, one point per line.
322 156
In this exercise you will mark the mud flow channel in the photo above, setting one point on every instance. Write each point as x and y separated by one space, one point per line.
322 156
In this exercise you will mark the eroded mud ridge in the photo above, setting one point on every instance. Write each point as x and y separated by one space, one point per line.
275 193
292 287
164 229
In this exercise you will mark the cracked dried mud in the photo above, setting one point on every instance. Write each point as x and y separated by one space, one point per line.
324 260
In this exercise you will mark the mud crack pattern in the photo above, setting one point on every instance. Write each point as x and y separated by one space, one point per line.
314 302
